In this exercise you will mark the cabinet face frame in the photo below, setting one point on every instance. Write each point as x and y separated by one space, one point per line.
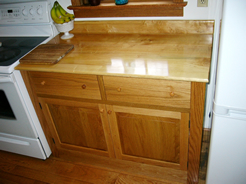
198 90
183 121
55 134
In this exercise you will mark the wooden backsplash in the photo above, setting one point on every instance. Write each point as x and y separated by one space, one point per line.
145 27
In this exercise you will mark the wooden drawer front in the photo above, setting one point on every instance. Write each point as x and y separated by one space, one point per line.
69 85
148 91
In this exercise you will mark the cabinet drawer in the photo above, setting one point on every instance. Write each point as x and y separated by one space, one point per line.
68 85
148 91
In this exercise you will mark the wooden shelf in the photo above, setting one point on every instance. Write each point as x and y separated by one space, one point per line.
132 9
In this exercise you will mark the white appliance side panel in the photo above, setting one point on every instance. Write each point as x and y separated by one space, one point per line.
231 75
22 145
32 112
227 160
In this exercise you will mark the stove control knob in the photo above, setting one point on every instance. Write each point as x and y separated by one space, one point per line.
24 12
31 11
40 11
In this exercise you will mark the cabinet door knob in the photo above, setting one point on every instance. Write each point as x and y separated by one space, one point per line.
101 110
109 111
119 89
83 86
171 93
43 82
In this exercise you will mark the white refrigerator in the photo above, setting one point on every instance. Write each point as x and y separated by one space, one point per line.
227 152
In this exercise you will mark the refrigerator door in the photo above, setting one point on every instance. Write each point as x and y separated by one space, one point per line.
227 160
230 85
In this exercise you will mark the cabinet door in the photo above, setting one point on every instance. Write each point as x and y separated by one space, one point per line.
78 126
150 136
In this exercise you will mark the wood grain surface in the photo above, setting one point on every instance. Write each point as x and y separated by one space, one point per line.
68 85
150 136
47 54
82 169
196 126
134 8
176 50
131 9
77 126
170 50
148 27
148 91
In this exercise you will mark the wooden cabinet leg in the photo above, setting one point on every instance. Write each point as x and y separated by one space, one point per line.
196 126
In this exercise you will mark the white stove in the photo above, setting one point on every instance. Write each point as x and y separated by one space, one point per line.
23 26
13 48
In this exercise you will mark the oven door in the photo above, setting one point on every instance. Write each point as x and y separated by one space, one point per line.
18 131
14 116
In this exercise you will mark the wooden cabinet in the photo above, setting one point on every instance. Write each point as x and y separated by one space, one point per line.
147 135
152 136
152 121
142 81
76 122
74 125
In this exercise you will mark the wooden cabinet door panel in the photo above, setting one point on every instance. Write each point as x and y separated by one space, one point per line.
150 136
78 126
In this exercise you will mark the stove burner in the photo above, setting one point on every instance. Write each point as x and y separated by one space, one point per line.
28 43
8 42
8 54
14 48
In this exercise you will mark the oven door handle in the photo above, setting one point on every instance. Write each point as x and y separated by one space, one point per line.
5 79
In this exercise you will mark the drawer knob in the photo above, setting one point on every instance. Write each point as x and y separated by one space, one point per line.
43 82
101 110
119 89
171 93
109 111
83 86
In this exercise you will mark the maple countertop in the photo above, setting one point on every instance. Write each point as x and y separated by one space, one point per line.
154 51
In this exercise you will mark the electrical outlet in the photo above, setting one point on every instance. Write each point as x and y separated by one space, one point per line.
202 3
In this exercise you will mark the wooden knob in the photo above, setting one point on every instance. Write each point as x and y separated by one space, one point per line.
101 110
43 82
109 111
119 89
83 86
171 93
